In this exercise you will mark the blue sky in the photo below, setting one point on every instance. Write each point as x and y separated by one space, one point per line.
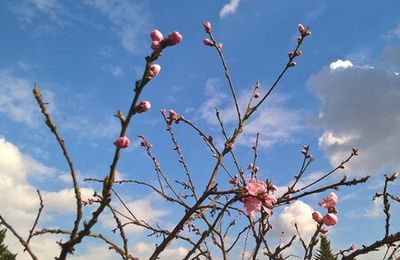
86 55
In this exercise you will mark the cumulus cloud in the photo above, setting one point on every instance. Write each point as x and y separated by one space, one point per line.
19 200
279 123
300 213
129 18
359 108
229 8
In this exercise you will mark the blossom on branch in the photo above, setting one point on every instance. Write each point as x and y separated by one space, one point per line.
122 142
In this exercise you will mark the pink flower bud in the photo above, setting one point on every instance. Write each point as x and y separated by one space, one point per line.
290 54
292 64
207 26
317 217
298 52
156 45
143 107
256 94
174 38
208 42
324 230
156 35
229 146
330 219
219 45
122 142
154 70
394 176
250 166
353 247
301 28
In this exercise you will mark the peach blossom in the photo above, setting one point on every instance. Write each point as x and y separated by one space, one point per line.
207 26
330 219
330 201
143 107
317 217
122 142
156 35
154 70
255 187
174 38
208 42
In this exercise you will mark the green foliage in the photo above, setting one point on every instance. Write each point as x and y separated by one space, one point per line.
325 252
5 254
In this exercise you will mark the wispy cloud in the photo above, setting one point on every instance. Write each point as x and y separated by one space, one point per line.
229 8
278 123
17 101
129 18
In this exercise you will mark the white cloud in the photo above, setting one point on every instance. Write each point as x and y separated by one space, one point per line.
129 18
374 210
340 64
17 101
359 108
279 123
300 213
144 251
19 200
229 8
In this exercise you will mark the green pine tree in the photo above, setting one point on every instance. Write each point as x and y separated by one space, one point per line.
325 252
5 254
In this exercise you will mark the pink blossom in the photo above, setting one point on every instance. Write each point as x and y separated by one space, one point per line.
394 176
255 187
252 204
207 26
143 107
219 45
156 45
269 201
154 70
250 166
324 230
272 188
256 94
174 38
208 42
330 201
122 142
301 28
330 219
353 247
317 217
156 35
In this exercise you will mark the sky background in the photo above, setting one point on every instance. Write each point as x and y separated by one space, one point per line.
86 55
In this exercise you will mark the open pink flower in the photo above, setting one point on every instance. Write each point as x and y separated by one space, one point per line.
330 219
256 187
317 217
252 204
122 142
330 201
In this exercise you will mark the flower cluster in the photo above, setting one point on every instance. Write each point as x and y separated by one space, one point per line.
259 195
159 42
330 218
